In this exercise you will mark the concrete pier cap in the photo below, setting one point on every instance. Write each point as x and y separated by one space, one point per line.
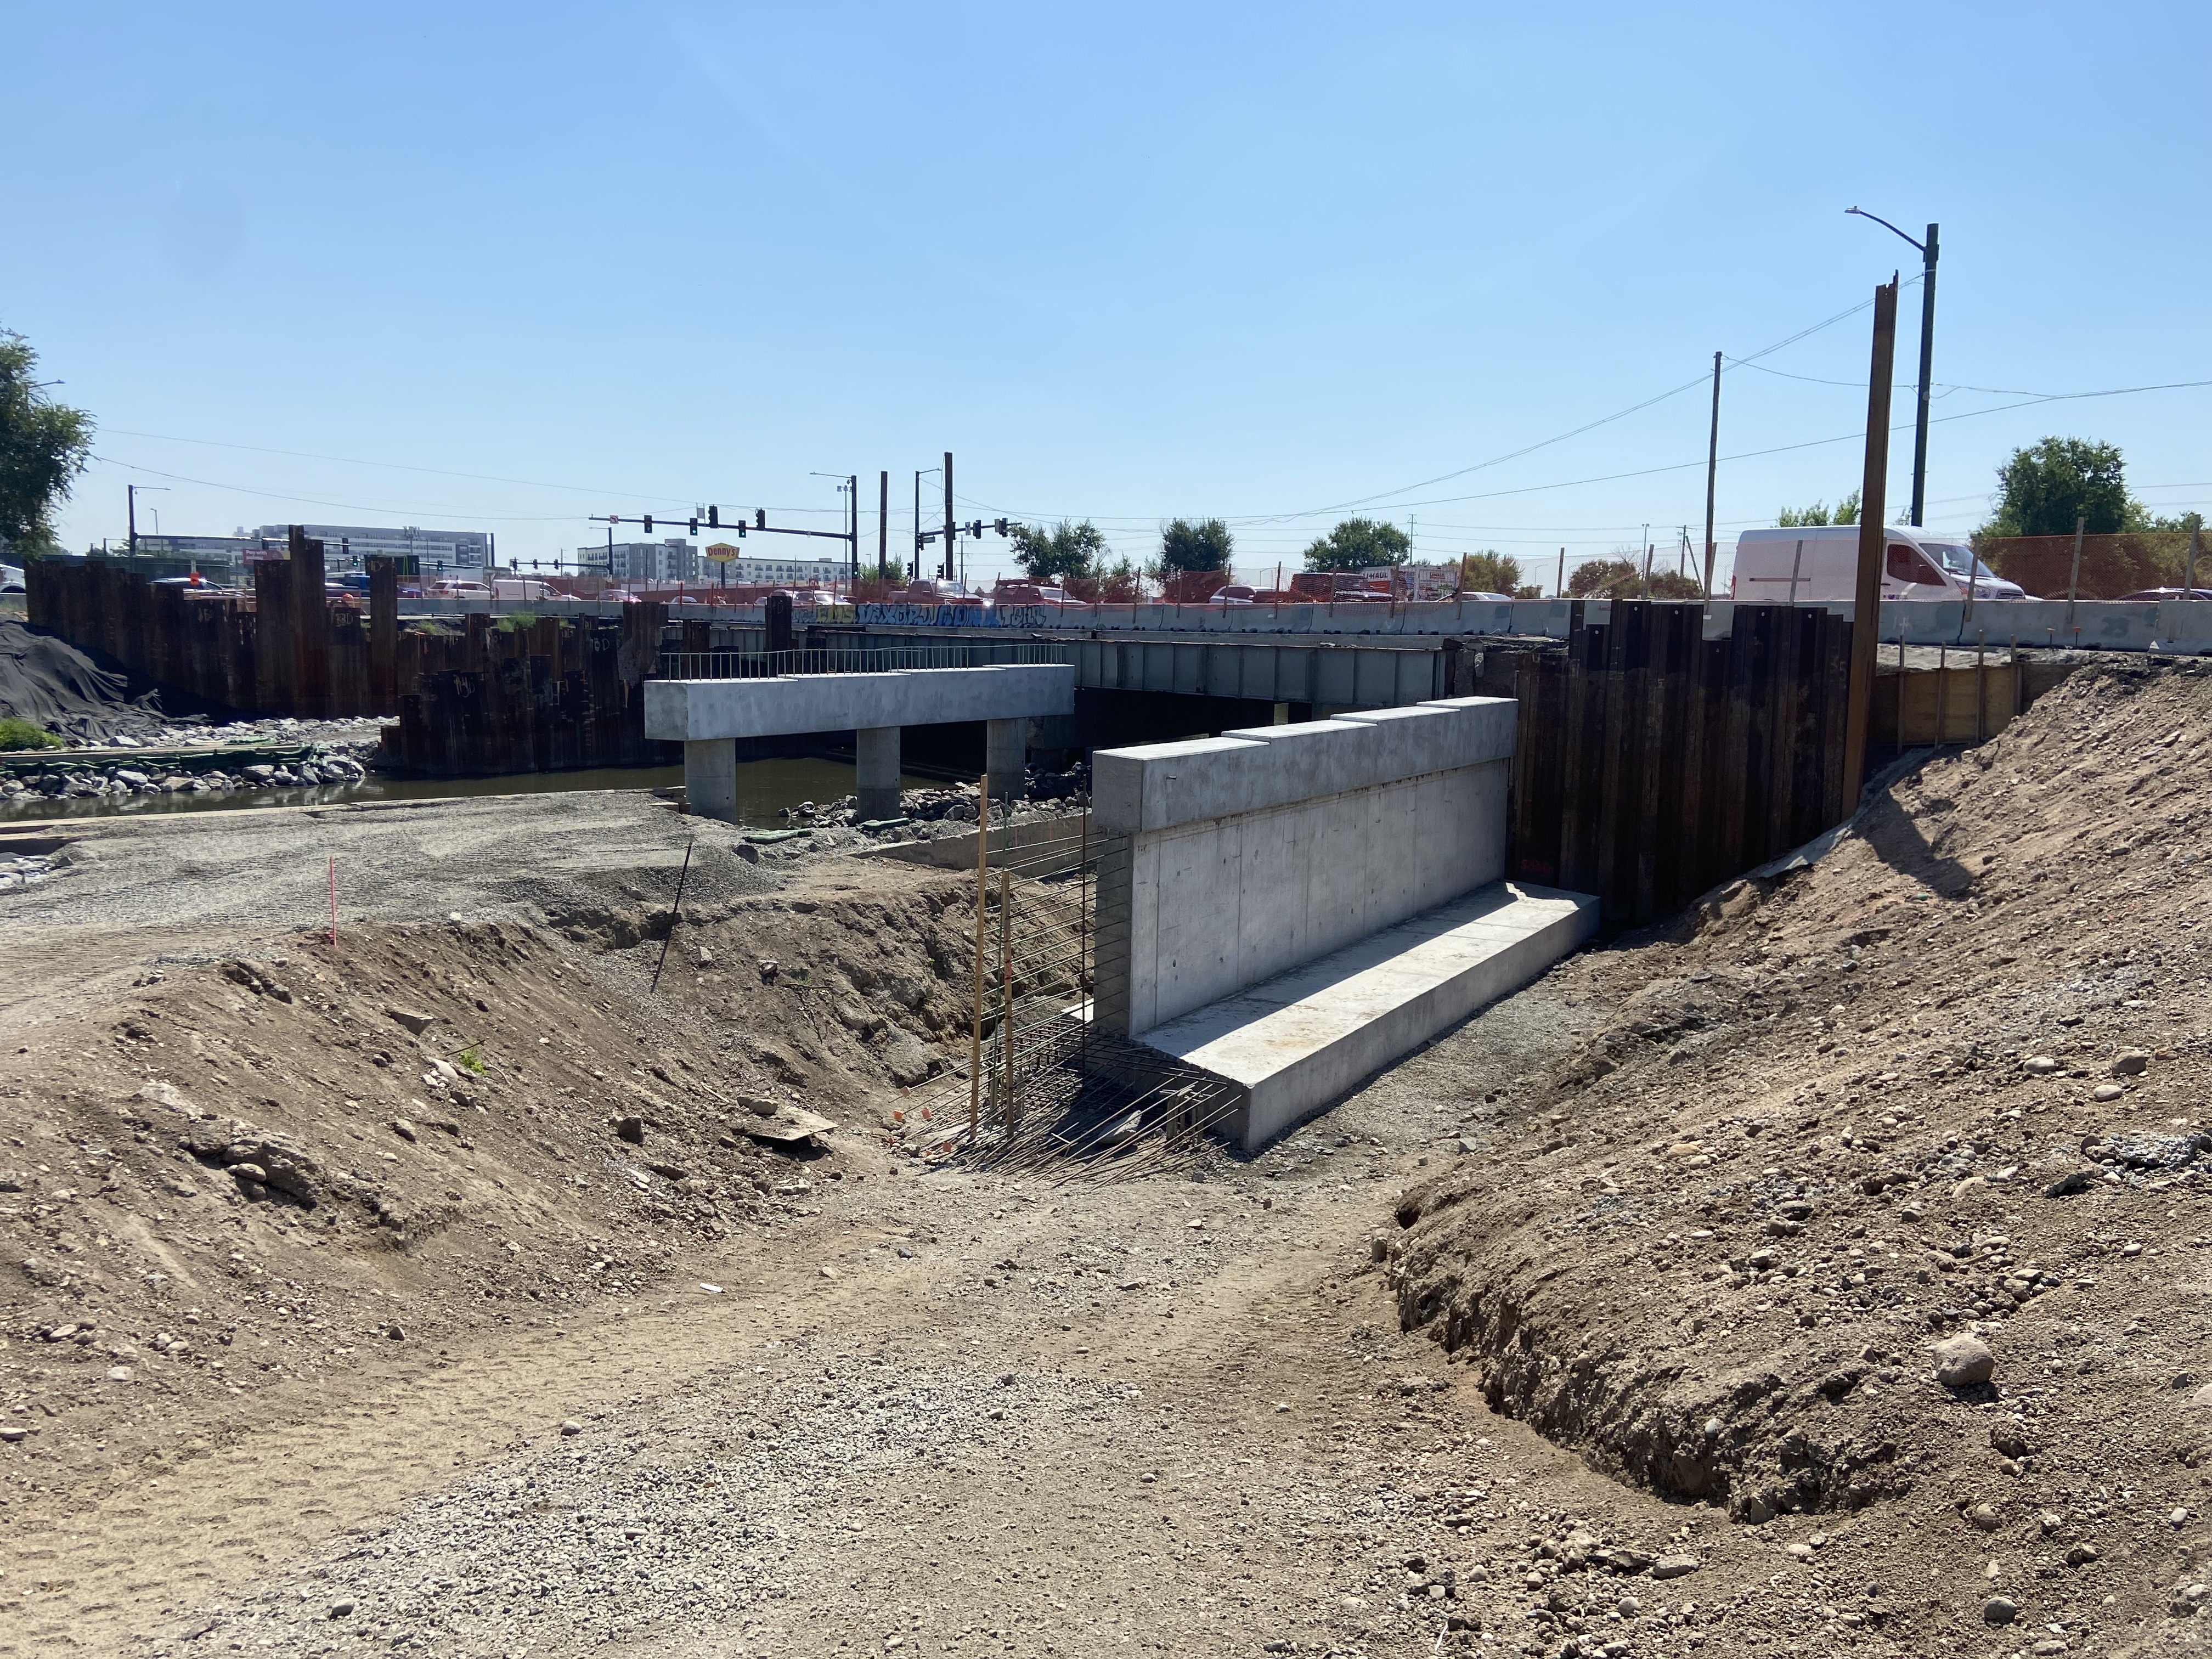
707 717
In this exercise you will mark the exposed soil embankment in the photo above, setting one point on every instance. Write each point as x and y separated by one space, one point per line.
1888 1176
250 1174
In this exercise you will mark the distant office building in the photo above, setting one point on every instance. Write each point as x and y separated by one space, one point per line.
781 572
442 552
674 559
208 550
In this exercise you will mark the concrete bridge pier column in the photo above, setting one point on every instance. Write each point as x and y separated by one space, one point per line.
710 779
876 750
1005 756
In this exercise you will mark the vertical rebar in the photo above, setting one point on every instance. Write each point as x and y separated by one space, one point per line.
975 1025
1006 980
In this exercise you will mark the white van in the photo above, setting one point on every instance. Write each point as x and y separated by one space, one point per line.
1919 564
524 588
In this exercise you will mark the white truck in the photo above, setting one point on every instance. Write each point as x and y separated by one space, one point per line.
1819 563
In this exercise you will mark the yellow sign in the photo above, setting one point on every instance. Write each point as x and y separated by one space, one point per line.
722 552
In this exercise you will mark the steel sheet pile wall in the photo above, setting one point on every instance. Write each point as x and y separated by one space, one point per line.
556 695
560 693
286 651
1653 762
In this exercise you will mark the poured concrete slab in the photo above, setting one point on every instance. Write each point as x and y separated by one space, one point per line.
1299 1042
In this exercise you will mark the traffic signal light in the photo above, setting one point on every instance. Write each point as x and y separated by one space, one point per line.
741 529
694 526
760 518
999 525
648 524
714 518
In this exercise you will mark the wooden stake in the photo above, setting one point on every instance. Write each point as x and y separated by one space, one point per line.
1874 505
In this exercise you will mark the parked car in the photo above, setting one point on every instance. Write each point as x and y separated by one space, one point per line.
1917 564
460 590
11 579
1236 595
1489 598
2196 593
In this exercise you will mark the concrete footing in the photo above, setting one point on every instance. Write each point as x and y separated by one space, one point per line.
1299 1042
875 771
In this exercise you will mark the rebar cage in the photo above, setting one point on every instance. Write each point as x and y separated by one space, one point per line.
1047 1087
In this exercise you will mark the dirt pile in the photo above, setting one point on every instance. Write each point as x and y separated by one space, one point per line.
1884 1179
251 1174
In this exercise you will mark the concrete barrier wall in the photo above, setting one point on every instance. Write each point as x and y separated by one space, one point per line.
1259 850
2172 625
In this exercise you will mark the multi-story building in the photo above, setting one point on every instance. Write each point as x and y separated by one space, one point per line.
442 552
674 559
782 573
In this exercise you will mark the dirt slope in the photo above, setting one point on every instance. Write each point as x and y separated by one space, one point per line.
252 1175
1948 1085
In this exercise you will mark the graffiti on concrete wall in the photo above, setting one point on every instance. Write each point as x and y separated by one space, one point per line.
958 616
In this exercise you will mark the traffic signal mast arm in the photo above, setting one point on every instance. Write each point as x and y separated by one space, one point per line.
760 525
973 528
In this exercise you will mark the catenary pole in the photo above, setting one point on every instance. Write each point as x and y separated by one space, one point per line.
1712 471
948 515
884 526
1927 369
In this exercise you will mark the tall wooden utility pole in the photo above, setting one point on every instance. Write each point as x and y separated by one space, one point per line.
883 527
1873 510
948 515
1712 472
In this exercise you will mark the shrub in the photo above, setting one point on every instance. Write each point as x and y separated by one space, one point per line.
16 733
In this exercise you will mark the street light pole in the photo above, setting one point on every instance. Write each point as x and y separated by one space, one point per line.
1927 251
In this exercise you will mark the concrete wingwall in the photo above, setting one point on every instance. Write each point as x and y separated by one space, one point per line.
1235 858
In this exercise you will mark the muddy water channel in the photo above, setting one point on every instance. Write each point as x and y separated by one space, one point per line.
765 789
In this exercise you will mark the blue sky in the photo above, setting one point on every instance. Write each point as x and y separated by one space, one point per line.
1127 263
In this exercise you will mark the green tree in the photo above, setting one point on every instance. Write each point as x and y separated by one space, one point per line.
1490 572
1120 583
1066 550
1185 546
1610 579
1359 545
890 570
44 446
1845 511
1673 585
2043 490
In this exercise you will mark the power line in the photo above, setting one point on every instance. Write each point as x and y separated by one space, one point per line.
440 471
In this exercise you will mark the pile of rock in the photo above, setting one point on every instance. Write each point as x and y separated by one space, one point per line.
123 779
954 803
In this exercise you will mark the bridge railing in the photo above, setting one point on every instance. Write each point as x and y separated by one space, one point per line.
838 659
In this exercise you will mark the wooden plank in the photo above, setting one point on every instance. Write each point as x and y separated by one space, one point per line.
1835 695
